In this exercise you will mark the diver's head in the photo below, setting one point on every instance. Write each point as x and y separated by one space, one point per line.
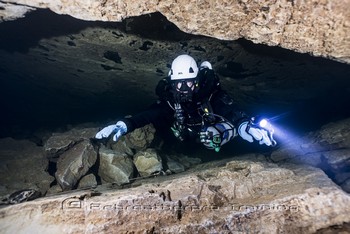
183 77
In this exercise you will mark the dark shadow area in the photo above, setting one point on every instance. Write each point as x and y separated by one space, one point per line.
34 108
155 26
24 33
308 114
279 53
29 110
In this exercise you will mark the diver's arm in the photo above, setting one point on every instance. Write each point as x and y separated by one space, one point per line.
151 115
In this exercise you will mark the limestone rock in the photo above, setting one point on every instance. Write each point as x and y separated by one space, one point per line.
148 162
180 163
140 138
87 181
188 162
23 166
122 147
336 134
60 142
174 166
327 148
329 145
346 185
12 11
54 189
115 167
74 164
319 27
230 196
338 159
342 177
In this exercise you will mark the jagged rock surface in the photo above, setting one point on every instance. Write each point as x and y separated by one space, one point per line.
74 154
23 166
74 163
327 148
140 138
148 162
12 11
243 194
115 167
58 143
88 181
317 27
240 195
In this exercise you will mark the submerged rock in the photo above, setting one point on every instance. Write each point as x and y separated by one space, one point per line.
140 138
240 195
58 143
327 148
23 166
115 167
88 181
174 166
74 164
148 162
346 185
180 163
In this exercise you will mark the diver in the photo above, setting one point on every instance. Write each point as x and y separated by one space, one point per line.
193 105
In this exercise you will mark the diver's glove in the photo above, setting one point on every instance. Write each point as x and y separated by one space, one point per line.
210 140
119 129
249 132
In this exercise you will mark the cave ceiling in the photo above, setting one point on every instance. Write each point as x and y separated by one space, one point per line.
320 28
57 70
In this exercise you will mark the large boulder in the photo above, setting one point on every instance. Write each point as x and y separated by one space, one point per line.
74 163
88 181
245 194
23 166
60 142
74 153
148 162
115 167
327 148
140 138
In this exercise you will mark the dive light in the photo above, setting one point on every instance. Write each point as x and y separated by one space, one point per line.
263 123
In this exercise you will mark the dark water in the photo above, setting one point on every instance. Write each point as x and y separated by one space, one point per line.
27 107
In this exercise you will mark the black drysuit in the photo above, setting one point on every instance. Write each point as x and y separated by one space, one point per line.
207 95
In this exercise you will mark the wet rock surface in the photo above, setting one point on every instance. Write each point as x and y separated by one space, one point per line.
88 70
115 167
74 163
140 138
148 162
88 181
282 23
327 148
97 88
248 193
23 166
61 142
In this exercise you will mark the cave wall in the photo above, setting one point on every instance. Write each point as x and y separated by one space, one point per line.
321 28
57 65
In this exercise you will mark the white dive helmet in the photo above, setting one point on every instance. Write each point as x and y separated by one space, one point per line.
183 67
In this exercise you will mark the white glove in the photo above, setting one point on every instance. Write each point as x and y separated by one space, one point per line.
259 134
119 129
